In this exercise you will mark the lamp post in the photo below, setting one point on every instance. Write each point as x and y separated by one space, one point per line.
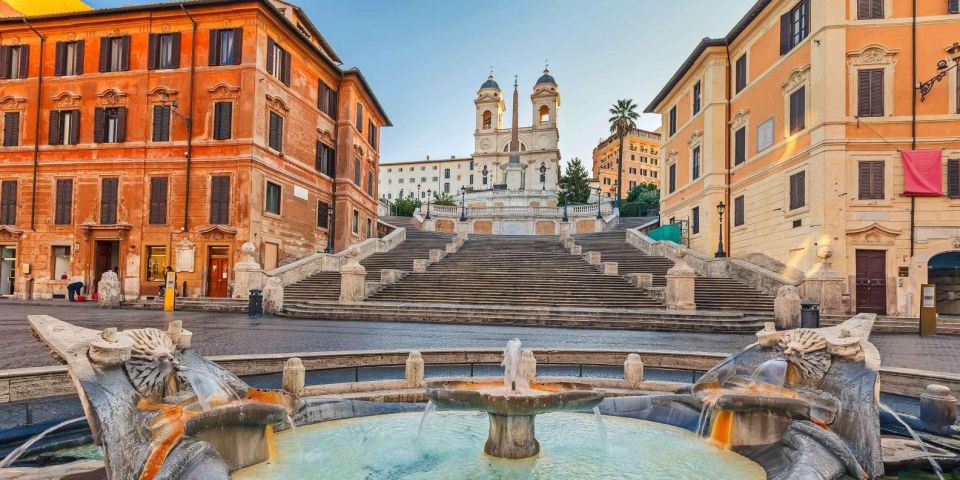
943 69
463 204
329 224
543 176
429 192
565 201
599 216
720 207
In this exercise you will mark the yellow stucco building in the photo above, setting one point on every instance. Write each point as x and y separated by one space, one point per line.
795 121
641 161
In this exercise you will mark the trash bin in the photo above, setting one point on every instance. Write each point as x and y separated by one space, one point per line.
255 307
809 315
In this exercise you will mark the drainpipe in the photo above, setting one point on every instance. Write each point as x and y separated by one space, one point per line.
36 130
726 153
913 120
189 153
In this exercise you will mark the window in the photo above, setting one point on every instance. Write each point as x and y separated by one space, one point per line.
371 134
110 125
673 120
870 179
14 60
156 263
272 200
485 180
158 200
163 51
60 256
870 92
370 183
326 99
222 120
276 131
220 200
544 114
446 173
357 172
487 119
794 26
64 127
869 9
359 117
161 123
69 59
741 73
738 216
369 230
8 202
696 98
327 160
63 208
470 181
673 178
798 187
695 220
115 54
108 200
953 179
696 164
323 215
740 146
953 6
225 47
355 222
278 62
11 129
798 110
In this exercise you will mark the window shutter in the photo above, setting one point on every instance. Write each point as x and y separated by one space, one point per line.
953 6
270 53
152 45
286 68
4 62
161 123
785 33
59 60
75 133
334 103
237 45
738 214
876 180
98 125
213 52
176 50
876 92
158 200
121 124
8 198
54 130
64 202
953 178
104 54
740 146
78 66
220 200
125 53
108 201
863 93
225 125
863 9
24 60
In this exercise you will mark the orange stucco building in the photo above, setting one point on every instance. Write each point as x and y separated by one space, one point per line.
641 161
138 138
795 120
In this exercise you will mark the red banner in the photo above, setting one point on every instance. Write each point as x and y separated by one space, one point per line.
922 172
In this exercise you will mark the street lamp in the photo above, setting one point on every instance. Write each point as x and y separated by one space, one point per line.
720 207
943 69
164 99
543 175
429 192
329 224
599 216
463 207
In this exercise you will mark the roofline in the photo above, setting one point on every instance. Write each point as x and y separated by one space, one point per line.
704 44
439 160
366 86
605 141
313 28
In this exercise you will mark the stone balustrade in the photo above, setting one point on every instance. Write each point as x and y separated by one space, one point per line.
579 211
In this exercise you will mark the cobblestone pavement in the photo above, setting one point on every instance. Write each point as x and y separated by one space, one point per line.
221 334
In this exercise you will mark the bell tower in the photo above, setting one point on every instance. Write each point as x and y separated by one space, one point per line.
545 101
490 106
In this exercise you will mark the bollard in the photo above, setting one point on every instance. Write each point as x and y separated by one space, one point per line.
255 305
294 376
938 407
413 370
528 365
633 371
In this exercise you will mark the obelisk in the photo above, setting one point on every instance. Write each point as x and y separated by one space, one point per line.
514 169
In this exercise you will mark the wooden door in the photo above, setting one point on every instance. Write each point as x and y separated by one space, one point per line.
871 281
218 277
103 261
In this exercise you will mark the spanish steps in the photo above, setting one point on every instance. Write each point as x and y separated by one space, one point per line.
711 293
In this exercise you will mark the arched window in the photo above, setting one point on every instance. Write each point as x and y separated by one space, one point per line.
487 119
544 114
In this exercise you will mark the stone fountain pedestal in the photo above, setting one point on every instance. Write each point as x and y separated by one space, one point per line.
512 436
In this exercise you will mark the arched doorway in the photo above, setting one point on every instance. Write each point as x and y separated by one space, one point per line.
943 270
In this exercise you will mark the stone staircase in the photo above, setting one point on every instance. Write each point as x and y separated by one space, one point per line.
326 285
711 293
625 223
946 325
516 271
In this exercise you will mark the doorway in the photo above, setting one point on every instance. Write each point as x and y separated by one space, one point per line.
943 270
218 271
8 270
871 281
106 257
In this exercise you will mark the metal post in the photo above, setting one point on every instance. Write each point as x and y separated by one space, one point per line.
599 216
463 204
720 253
429 192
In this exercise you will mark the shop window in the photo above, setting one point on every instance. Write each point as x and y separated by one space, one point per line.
60 260
156 263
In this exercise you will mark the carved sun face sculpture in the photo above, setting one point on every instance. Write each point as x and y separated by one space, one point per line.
806 351
153 367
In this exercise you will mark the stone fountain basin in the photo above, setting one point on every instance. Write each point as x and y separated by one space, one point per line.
493 397
240 431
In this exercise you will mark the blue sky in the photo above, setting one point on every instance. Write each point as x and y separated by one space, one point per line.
427 58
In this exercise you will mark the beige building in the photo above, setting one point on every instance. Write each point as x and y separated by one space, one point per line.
795 121
408 179
641 161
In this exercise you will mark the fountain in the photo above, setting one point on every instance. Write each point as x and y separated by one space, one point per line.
513 406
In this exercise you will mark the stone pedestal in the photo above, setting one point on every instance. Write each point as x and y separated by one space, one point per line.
786 308
390 276
824 285
528 365
294 376
413 369
938 407
593 258
640 280
273 296
108 291
247 274
353 278
178 335
610 268
680 285
420 265
576 250
514 176
633 371
436 255
512 437
564 230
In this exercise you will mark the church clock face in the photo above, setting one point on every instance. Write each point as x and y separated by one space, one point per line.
485 144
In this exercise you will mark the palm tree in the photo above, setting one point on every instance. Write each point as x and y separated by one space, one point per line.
623 120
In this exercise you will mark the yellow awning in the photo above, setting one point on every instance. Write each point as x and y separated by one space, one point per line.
45 7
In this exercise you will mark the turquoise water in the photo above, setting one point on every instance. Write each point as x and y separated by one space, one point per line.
571 447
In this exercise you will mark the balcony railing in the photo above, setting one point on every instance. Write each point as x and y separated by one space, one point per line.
518 211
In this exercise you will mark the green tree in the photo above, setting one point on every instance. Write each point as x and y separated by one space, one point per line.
404 207
641 200
623 120
574 184
444 199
